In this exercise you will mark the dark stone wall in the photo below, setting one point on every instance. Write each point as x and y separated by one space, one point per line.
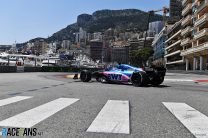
32 69
8 69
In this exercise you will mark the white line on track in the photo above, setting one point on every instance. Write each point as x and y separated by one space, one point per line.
179 80
13 100
31 117
113 118
193 120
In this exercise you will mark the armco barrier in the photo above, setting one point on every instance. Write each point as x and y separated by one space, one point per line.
13 69
66 69
8 69
32 69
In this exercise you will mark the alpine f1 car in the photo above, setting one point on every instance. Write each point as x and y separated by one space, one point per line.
126 74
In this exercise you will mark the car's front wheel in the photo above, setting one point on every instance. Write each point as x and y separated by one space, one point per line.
103 79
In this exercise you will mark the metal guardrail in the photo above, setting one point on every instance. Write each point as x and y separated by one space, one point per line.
13 69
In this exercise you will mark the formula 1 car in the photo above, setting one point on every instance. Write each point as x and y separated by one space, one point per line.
126 74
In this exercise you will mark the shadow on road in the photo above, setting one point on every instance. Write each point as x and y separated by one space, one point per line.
160 86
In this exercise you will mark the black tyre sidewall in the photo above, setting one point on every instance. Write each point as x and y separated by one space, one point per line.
85 76
138 82
157 80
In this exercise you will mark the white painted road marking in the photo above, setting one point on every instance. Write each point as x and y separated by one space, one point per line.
31 117
193 120
179 80
13 100
113 118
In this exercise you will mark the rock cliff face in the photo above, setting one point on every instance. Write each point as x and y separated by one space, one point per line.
124 20
84 19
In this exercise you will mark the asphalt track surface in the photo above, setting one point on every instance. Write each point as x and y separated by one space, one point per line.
59 106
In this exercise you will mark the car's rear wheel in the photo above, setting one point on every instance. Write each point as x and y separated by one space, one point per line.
85 76
98 79
139 79
157 80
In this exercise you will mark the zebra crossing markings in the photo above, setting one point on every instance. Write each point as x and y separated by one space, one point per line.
31 117
113 118
13 100
193 120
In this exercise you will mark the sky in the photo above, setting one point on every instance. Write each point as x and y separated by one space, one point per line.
22 20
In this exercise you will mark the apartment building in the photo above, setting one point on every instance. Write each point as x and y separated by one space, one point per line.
120 52
175 8
173 58
96 50
195 42
158 45
39 47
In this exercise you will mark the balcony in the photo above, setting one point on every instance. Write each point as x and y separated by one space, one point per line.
186 9
174 36
172 54
201 20
175 62
184 2
192 50
185 41
173 45
186 20
186 30
202 6
201 33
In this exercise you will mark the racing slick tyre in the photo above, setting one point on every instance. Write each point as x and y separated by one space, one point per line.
157 80
103 79
97 79
85 76
139 79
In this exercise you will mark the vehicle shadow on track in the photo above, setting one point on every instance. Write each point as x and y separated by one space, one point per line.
160 86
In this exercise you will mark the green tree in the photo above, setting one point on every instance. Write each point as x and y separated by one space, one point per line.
140 57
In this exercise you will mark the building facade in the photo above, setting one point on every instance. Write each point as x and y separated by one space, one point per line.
158 45
81 36
173 58
4 48
66 44
96 50
39 47
175 11
195 47
155 28
120 52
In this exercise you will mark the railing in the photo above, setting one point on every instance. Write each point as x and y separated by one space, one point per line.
184 2
201 33
201 20
186 30
186 9
202 5
185 20
185 41
201 47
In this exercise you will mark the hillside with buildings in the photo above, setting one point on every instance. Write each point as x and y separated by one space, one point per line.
122 20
